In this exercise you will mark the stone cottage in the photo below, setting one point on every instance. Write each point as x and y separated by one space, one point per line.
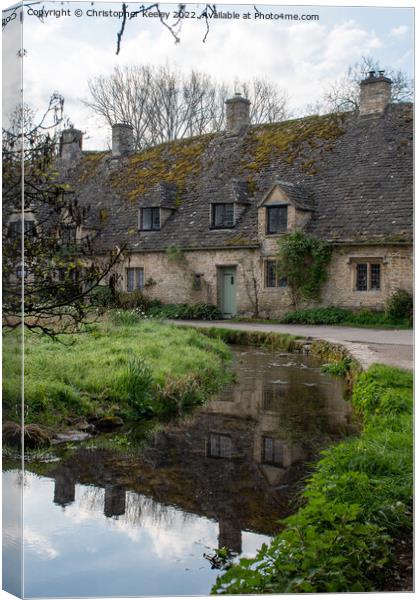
199 219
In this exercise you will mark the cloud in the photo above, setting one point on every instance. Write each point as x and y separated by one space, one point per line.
399 32
40 544
302 57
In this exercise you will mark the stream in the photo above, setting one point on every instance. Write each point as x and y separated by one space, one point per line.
103 522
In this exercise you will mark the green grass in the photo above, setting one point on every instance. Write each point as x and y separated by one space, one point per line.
357 502
275 341
133 370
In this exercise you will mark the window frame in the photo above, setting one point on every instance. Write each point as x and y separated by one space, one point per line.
280 448
15 228
271 207
369 264
138 282
153 210
214 207
218 438
280 281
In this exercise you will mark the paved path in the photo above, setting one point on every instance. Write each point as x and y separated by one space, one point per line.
389 346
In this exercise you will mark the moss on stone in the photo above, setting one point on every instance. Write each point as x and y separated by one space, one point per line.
171 162
292 139
89 165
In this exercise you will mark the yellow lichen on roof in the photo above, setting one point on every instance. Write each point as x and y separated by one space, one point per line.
172 162
291 138
89 164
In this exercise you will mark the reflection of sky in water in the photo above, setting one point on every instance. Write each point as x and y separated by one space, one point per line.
150 550
12 532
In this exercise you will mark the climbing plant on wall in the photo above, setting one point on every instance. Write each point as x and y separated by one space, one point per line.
303 260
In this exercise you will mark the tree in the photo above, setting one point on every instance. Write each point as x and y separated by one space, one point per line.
49 271
343 95
303 260
163 104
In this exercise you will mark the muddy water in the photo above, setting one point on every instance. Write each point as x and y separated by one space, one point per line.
101 523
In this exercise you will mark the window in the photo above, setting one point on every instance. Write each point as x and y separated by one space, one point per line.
15 228
272 277
368 276
276 219
222 216
220 445
272 451
150 219
68 235
135 278
273 397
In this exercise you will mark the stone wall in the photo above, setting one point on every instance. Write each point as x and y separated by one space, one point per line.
396 272
193 278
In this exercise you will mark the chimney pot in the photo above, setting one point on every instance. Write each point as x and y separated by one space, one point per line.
237 113
122 139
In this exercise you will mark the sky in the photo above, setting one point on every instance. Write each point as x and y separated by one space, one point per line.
303 57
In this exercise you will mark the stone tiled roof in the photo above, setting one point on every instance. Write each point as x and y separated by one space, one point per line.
353 173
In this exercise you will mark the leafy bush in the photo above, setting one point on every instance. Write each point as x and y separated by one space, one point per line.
136 299
340 316
400 306
358 498
102 296
201 311
318 316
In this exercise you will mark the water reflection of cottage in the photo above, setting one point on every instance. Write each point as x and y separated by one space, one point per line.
235 461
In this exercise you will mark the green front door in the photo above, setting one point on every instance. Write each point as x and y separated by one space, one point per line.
228 291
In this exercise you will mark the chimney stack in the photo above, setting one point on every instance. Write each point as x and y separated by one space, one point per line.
237 113
122 139
71 144
375 93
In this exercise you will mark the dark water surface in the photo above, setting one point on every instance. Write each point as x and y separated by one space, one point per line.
101 523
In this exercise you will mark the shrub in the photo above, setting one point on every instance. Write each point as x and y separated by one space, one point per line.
318 316
336 316
102 296
201 311
400 306
136 299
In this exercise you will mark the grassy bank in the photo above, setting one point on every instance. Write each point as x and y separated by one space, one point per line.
275 341
357 504
130 369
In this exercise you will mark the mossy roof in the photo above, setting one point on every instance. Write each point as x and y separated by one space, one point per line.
356 173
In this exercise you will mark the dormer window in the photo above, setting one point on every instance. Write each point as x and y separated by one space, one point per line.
150 219
276 219
222 216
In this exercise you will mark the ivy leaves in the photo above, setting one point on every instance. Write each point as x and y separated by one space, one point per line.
303 260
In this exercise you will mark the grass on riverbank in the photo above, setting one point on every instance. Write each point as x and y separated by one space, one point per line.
130 370
275 341
358 501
